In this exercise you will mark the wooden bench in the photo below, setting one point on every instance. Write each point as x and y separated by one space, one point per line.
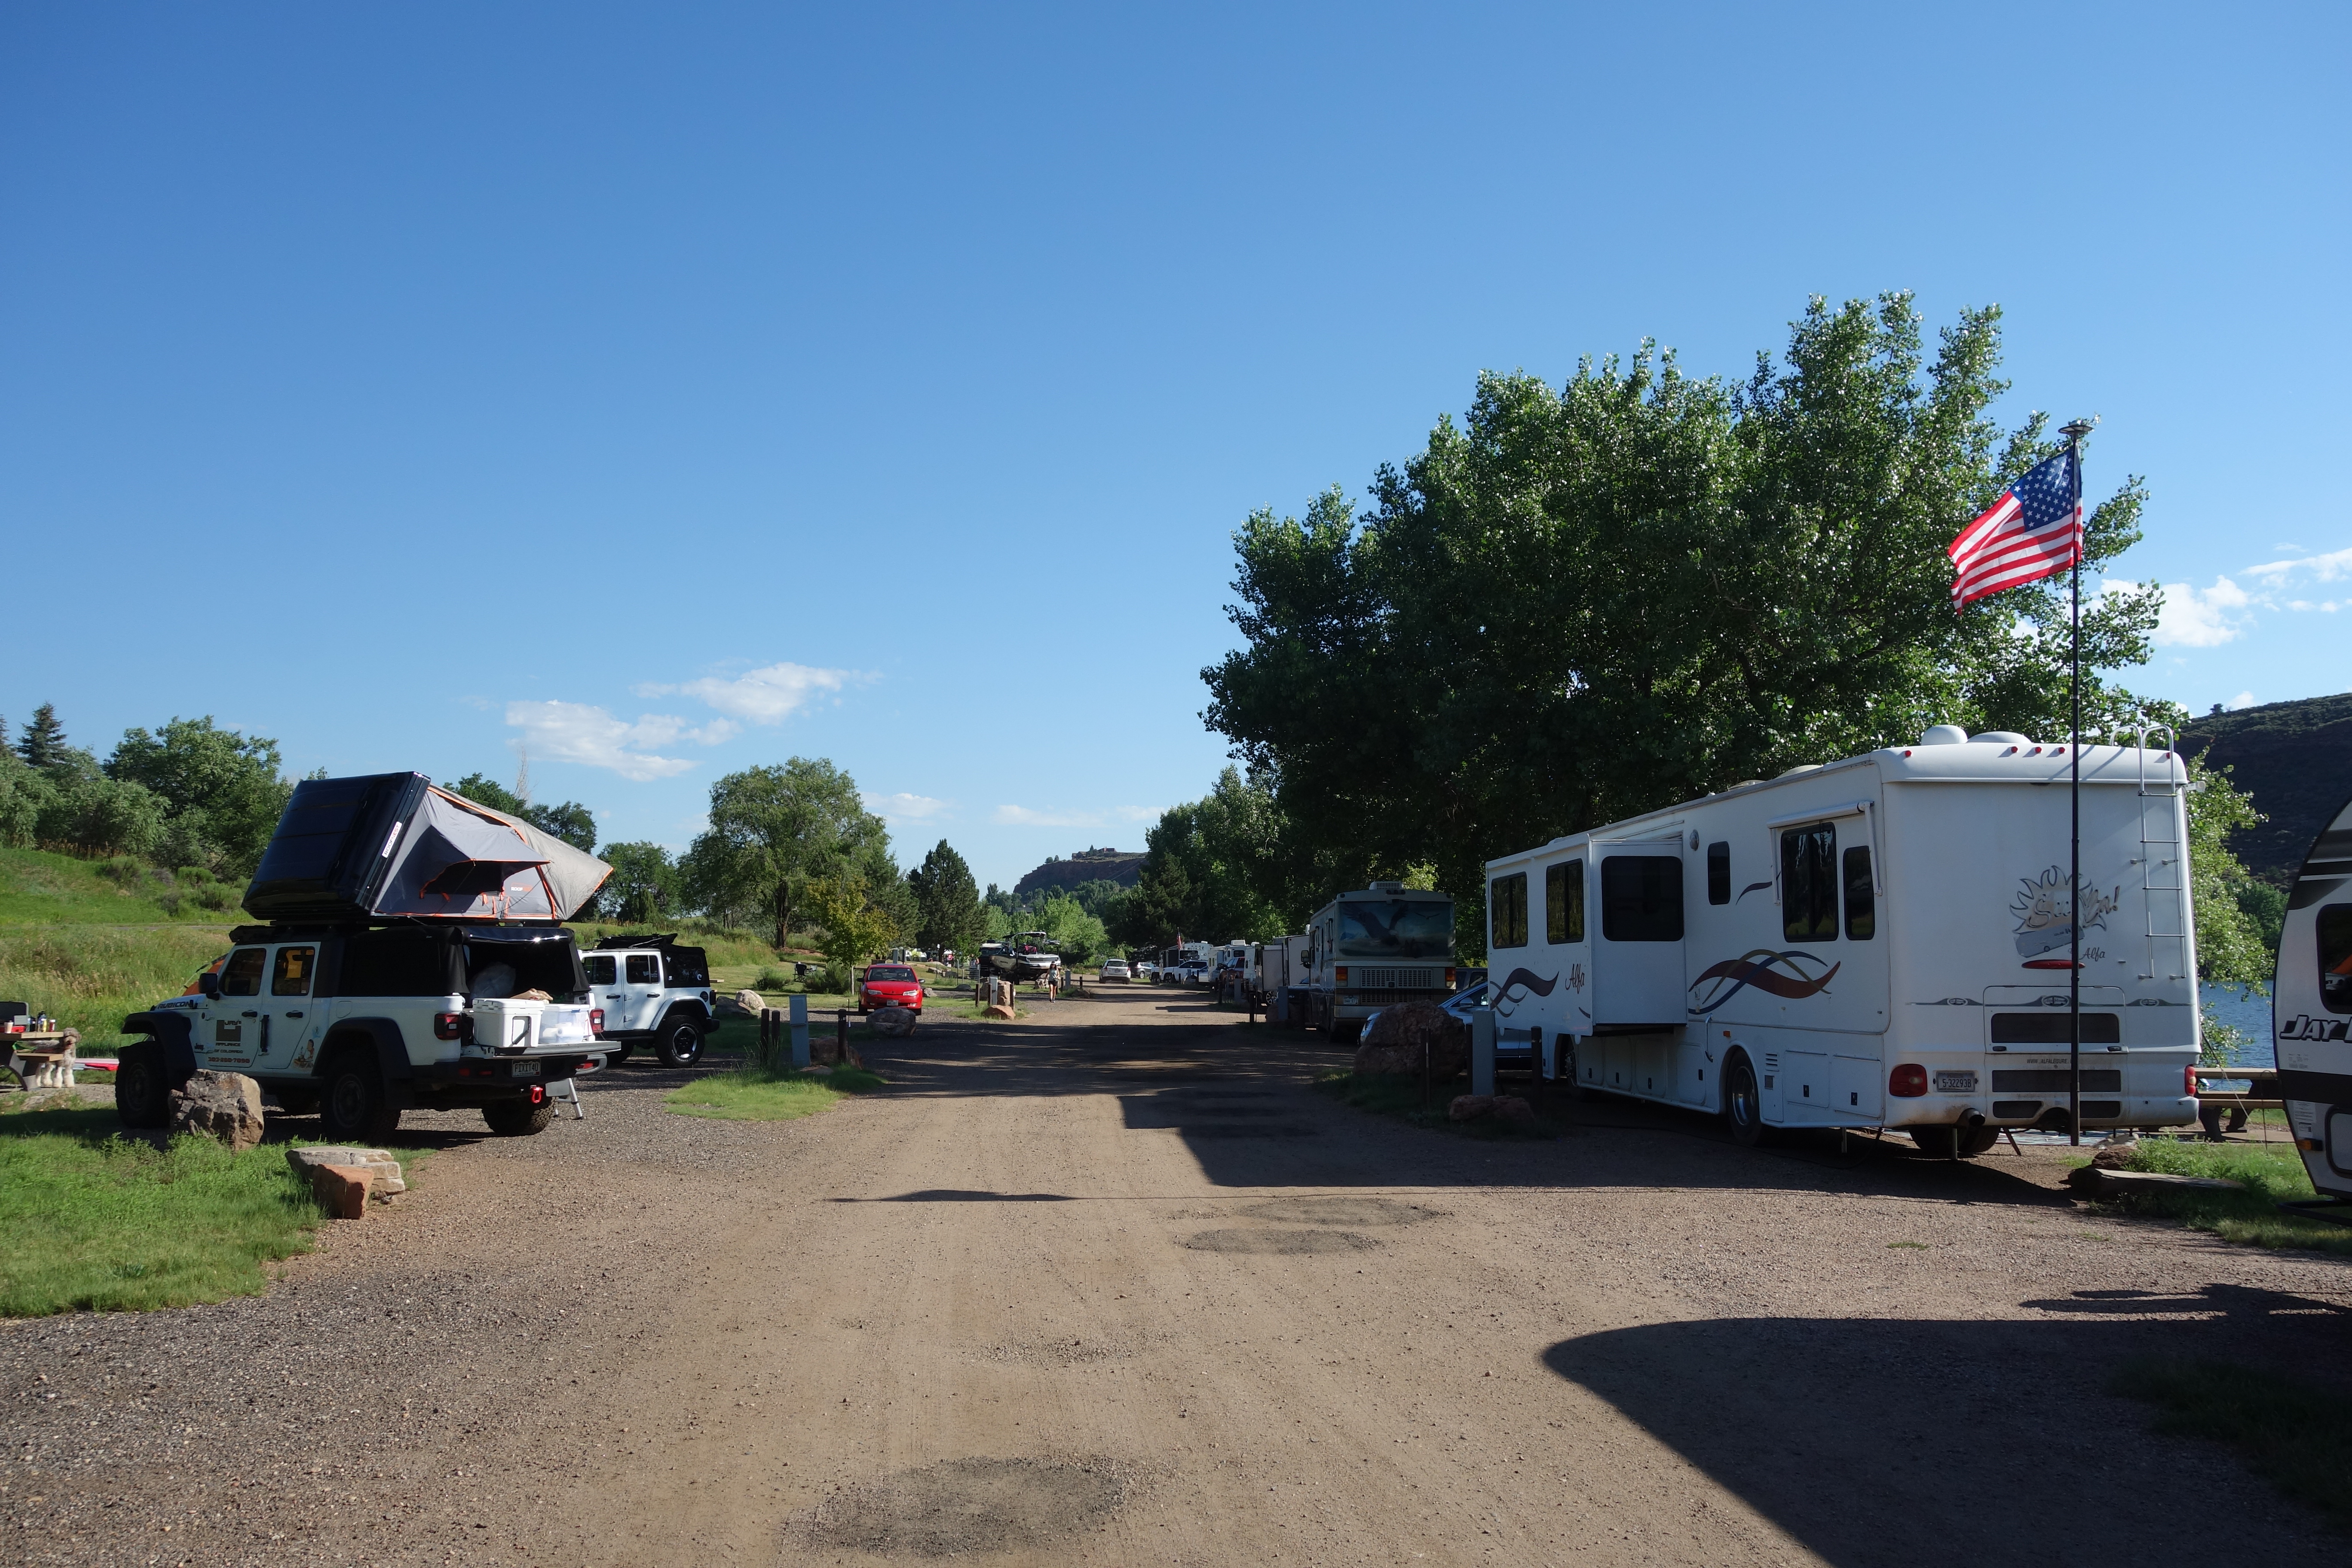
2213 1105
44 1059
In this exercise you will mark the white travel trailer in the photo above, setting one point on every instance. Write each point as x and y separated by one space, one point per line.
1881 941
2313 1007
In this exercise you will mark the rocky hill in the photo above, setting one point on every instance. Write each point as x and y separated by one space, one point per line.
1120 865
2296 760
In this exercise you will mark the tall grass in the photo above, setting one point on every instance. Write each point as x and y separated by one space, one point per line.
91 976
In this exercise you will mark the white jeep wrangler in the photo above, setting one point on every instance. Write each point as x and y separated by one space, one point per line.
653 992
360 1024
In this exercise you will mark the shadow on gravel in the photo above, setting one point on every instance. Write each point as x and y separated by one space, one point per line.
1877 1441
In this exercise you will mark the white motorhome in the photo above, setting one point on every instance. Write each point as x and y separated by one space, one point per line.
1881 941
2312 1012
1371 949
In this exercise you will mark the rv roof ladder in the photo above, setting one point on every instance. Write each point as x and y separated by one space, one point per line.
2163 874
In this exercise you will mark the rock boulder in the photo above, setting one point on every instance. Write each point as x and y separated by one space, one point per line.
381 1166
894 1022
222 1105
750 1001
1396 1041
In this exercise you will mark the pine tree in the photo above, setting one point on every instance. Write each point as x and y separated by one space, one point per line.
44 741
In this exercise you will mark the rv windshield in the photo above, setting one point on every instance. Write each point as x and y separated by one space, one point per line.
1396 928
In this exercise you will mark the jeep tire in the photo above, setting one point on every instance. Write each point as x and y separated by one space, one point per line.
141 1096
519 1118
352 1105
679 1041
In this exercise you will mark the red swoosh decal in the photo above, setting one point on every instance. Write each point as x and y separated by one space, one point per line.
1748 972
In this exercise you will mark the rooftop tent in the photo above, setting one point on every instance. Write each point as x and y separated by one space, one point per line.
391 845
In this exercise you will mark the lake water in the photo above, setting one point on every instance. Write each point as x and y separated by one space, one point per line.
2252 1014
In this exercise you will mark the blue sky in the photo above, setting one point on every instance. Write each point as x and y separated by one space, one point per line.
669 389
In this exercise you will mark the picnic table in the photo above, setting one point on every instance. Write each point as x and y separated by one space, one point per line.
2214 1106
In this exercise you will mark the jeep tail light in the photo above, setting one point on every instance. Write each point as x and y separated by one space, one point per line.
448 1026
597 1022
2190 1084
1909 1081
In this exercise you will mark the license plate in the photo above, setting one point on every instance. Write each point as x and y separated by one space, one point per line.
526 1069
1955 1083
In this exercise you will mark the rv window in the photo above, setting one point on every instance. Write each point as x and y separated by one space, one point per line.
1507 910
2053 1028
2335 958
1718 872
1861 908
1641 898
241 976
1564 902
291 975
1809 893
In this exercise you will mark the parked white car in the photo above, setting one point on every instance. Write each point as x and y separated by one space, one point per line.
1116 969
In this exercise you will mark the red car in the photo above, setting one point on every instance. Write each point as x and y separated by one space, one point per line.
890 986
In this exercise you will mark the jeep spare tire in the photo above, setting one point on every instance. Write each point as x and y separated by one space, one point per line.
519 1118
680 1041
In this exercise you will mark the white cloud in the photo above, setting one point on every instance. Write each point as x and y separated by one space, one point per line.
2201 618
1139 813
2332 566
576 733
902 808
764 696
2243 699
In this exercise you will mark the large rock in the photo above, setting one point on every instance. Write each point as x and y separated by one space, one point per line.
894 1021
2117 1152
1398 1037
378 1162
222 1105
750 1001
342 1190
999 1010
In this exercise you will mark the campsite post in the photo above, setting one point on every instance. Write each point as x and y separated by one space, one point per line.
2074 430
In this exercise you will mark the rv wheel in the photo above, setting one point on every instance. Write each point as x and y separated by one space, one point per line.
1742 1106
1977 1140
1940 1143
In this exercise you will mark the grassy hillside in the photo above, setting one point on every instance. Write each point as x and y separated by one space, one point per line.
89 940
2296 760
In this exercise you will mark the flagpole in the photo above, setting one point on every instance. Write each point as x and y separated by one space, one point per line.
2074 432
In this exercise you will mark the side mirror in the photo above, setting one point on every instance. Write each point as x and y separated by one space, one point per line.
209 984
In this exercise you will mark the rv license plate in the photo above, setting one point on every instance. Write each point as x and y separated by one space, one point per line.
1955 1083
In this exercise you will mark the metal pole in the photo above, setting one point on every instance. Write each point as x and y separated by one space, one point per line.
2074 803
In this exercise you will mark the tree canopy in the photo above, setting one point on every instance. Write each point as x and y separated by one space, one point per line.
221 791
1639 587
644 884
772 831
947 901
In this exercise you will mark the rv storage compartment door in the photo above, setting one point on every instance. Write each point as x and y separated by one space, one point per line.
1637 955
1854 1087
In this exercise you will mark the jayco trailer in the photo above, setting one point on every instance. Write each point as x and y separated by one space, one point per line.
2313 1007
1882 942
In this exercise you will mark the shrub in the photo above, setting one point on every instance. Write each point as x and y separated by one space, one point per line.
214 896
770 980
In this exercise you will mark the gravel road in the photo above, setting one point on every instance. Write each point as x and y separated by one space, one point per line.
1113 1284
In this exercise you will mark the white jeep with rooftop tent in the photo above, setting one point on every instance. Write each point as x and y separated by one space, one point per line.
413 957
1880 942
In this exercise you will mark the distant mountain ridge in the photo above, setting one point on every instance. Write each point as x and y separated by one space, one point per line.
1121 866
2296 760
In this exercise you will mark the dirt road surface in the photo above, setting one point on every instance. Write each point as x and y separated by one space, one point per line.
1115 1285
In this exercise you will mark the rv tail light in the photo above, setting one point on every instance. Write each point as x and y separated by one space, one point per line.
1449 980
2310 1145
448 1026
1340 976
2189 1078
597 1022
1908 1081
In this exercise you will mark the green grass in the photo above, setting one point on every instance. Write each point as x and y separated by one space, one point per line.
1386 1094
749 1094
92 976
2270 1173
38 888
97 1222
2295 1435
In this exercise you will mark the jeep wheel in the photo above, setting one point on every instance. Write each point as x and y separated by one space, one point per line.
352 1105
142 1097
519 1118
681 1042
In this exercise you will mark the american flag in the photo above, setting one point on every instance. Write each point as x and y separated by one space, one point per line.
2033 530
